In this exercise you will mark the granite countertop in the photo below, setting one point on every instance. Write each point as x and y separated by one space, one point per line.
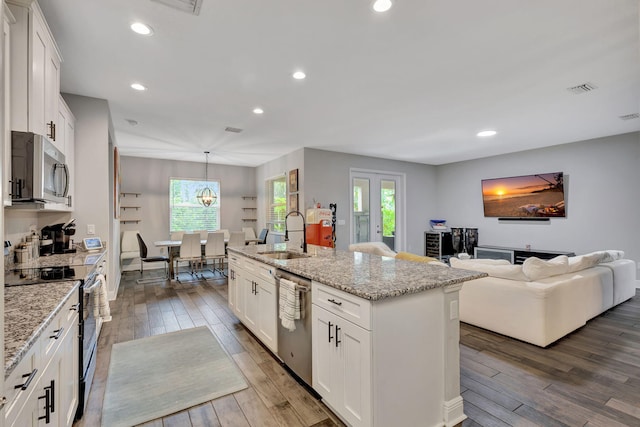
79 258
28 311
368 276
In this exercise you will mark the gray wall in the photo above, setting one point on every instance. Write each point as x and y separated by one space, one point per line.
327 181
93 202
151 178
280 166
602 190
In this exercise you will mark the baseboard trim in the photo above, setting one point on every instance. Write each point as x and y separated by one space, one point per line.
453 411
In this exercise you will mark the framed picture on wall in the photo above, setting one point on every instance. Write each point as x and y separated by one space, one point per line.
293 181
293 202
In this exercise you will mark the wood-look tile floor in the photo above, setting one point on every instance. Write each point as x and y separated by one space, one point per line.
589 378
273 398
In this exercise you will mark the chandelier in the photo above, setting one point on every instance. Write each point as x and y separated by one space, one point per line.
206 196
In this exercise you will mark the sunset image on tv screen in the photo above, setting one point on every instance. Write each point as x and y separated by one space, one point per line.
539 195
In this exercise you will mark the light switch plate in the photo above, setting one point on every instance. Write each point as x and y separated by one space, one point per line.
91 229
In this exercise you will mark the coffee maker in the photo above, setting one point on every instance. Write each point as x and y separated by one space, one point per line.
60 235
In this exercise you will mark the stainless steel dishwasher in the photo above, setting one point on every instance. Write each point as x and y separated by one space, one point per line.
294 347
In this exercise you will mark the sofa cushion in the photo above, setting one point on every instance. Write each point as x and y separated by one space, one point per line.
500 270
536 268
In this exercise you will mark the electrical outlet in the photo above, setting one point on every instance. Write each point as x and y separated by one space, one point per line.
91 229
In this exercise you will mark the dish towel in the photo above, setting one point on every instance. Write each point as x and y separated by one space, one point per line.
289 304
101 300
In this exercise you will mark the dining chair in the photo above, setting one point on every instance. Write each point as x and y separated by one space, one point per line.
249 234
129 248
263 236
214 250
176 235
190 251
226 233
144 257
236 239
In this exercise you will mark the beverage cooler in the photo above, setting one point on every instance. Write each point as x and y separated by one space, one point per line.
319 230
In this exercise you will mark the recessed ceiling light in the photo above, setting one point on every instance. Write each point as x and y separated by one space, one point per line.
299 75
140 28
258 110
486 133
382 5
138 86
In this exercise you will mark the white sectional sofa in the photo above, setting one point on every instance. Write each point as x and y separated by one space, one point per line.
541 301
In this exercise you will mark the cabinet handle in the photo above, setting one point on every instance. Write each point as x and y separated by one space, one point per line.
255 285
31 376
53 396
52 130
334 301
58 333
337 340
330 337
47 405
75 307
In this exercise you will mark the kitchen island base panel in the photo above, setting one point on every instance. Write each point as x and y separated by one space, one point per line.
413 377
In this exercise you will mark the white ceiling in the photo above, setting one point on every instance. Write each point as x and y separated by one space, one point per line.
416 83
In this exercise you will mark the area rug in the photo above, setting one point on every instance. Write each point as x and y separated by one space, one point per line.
156 376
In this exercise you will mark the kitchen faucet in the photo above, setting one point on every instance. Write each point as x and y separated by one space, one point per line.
304 232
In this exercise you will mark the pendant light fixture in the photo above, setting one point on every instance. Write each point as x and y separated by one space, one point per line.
206 196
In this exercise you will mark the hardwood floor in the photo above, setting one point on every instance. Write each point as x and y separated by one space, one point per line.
589 378
273 398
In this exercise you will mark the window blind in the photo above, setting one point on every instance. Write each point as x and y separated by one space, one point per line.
276 192
185 213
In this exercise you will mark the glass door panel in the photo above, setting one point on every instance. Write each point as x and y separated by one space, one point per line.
361 210
388 212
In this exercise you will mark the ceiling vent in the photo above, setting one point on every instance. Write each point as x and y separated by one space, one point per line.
583 88
630 116
234 130
189 6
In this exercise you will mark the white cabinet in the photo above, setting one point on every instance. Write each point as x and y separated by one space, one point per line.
6 102
393 361
232 285
65 134
255 298
342 360
43 388
35 72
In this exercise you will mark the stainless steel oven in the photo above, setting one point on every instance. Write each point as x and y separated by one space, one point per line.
90 325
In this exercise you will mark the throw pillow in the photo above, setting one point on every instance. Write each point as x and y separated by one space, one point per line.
377 248
580 262
413 257
536 268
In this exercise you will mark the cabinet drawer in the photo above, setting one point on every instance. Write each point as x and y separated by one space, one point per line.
52 336
343 304
260 270
26 376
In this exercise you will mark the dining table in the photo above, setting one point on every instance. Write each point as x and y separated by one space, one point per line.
172 246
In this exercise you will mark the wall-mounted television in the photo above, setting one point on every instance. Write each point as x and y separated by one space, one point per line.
527 196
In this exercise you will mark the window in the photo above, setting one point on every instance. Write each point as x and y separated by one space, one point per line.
185 213
276 193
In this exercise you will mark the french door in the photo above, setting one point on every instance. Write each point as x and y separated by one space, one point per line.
377 208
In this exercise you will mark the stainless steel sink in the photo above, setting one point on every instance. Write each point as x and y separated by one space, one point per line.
284 255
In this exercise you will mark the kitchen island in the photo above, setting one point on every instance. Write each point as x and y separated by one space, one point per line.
385 332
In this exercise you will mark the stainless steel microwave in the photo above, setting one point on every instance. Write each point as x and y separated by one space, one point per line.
38 170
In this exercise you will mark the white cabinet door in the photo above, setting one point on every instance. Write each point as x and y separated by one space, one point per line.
68 402
267 328
6 102
35 74
232 284
251 302
342 366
